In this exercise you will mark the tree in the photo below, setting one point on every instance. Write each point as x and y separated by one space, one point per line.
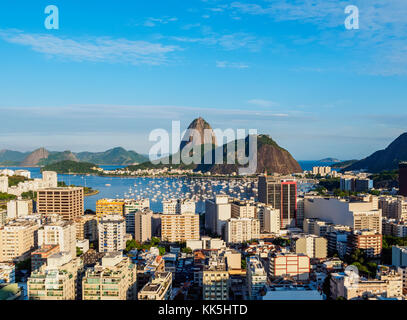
162 251
186 250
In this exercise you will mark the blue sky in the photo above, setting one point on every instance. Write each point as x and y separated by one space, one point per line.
114 72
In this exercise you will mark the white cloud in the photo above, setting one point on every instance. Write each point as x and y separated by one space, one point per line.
235 65
263 103
230 42
97 49
152 22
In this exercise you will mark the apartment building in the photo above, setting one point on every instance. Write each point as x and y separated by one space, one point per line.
388 284
158 288
399 256
271 218
179 227
215 278
142 225
394 207
19 208
242 229
87 227
106 207
115 278
133 205
243 209
368 240
40 256
66 202
62 233
112 232
310 245
322 171
289 265
256 277
17 240
57 280
178 206
217 212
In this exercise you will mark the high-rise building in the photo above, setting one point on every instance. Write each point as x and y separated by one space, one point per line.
271 219
39 257
243 209
4 184
17 240
256 277
241 230
65 201
399 256
281 194
115 278
217 212
368 240
112 231
133 205
142 225
56 280
179 227
106 207
310 245
158 288
62 233
86 227
178 206
215 278
19 208
50 178
403 179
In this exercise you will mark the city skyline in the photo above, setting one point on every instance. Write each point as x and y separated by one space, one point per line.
111 74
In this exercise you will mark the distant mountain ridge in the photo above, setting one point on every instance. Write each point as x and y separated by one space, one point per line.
42 157
329 160
386 159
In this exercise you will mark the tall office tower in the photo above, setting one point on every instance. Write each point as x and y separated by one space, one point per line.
62 233
106 207
17 240
242 229
50 178
178 206
179 227
217 212
115 278
4 184
403 179
66 202
256 277
19 208
281 194
112 230
142 225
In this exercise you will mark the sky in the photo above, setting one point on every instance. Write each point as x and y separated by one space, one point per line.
116 70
